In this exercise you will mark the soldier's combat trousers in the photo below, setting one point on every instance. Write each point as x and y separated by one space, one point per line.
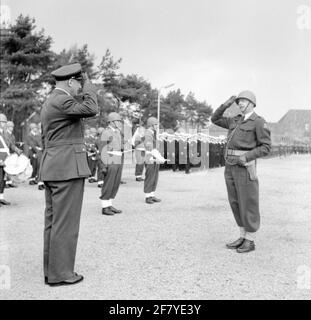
140 159
243 195
151 177
111 182
62 220
2 179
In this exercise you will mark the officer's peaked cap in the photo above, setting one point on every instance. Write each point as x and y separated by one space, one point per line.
67 72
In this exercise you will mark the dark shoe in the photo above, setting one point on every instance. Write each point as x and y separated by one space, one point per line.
12 185
41 187
107 211
6 203
32 182
122 182
247 246
113 209
75 279
139 179
154 199
149 200
235 244
91 180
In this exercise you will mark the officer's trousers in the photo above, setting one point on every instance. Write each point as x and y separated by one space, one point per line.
111 182
63 201
35 167
243 195
151 177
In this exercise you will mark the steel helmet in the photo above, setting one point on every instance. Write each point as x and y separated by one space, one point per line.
3 117
32 126
113 116
152 121
250 96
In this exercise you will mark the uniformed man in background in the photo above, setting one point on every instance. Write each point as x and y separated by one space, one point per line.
111 156
35 154
248 139
152 167
140 152
99 163
64 169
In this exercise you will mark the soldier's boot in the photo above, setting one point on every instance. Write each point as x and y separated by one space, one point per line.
149 200
113 209
107 212
235 244
247 246
154 199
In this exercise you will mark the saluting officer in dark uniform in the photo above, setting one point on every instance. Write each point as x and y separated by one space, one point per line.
248 139
64 168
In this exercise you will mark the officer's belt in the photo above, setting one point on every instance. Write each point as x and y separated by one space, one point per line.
51 144
233 152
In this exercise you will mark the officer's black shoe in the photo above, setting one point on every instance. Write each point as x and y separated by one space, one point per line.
113 209
247 246
154 199
139 179
235 244
107 211
149 200
32 182
75 279
4 202
41 187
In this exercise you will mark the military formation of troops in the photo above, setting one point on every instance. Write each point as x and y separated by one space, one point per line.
63 154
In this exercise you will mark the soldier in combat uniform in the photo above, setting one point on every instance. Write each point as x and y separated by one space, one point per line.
248 139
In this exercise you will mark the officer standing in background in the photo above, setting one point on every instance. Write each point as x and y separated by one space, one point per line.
248 139
138 143
111 155
64 169
35 154
99 163
152 167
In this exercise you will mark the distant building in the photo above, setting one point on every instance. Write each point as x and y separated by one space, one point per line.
295 125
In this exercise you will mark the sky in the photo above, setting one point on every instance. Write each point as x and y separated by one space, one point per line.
214 48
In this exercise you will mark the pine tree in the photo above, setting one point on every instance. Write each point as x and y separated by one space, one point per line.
26 62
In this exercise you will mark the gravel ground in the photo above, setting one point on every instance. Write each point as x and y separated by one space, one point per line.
175 249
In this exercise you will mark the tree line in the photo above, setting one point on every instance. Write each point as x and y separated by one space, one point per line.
26 62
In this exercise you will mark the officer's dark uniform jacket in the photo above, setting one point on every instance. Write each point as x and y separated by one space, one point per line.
64 156
251 135
35 145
